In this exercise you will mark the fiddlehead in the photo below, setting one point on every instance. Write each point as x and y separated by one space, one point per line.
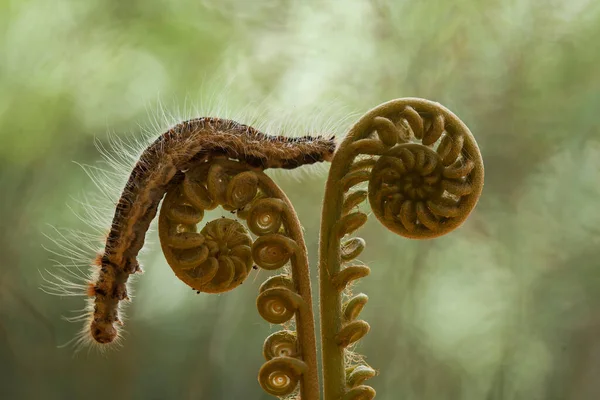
424 174
220 256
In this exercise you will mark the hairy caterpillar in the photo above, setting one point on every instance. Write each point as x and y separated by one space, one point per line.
159 166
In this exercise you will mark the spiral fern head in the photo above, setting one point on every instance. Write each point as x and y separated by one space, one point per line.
430 173
424 174
219 257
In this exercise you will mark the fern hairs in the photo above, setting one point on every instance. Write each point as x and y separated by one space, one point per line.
415 163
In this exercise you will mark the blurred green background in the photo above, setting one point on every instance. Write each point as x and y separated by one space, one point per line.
506 307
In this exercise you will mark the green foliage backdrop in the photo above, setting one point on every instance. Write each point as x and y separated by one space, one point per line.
506 307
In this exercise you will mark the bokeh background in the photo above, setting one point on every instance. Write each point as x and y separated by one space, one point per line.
506 307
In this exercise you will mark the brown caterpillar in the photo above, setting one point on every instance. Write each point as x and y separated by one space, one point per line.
160 165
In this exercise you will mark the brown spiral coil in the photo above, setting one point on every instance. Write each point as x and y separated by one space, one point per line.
281 344
278 301
219 257
280 375
430 174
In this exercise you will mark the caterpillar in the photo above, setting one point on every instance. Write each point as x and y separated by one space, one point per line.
160 165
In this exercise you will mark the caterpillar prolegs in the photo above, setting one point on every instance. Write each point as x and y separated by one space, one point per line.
191 147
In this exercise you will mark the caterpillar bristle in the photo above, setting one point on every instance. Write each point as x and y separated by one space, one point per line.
98 260
91 289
